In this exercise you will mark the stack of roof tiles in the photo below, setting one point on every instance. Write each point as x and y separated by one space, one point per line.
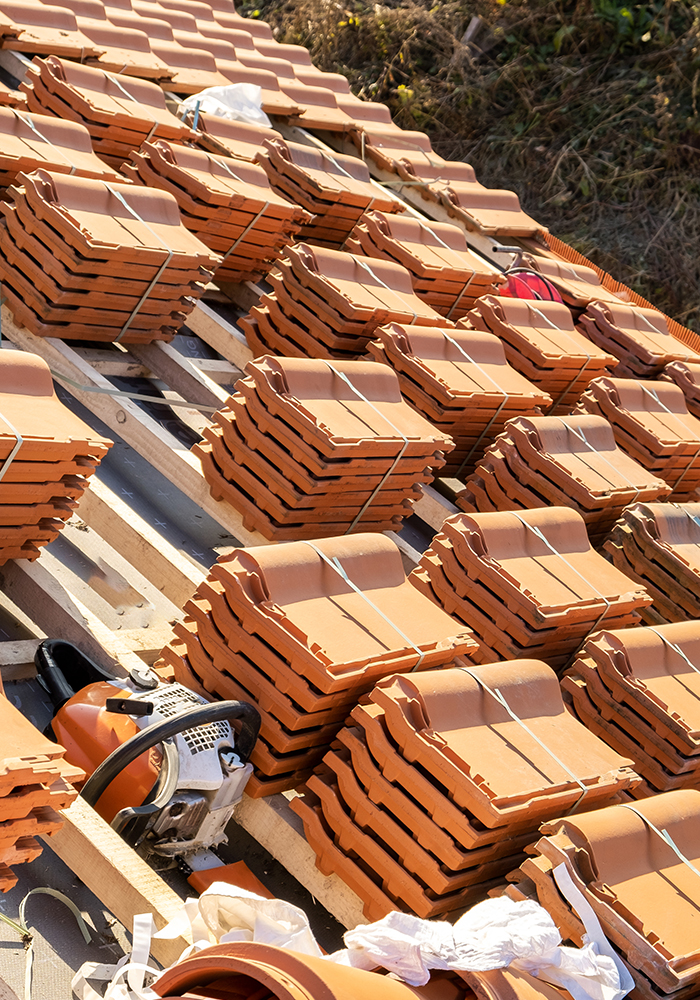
528 583
460 381
304 630
328 304
452 184
577 284
35 782
445 272
639 690
28 142
442 779
335 189
307 448
28 26
227 204
639 337
658 544
561 461
11 98
47 455
86 259
636 865
542 343
686 375
651 422
120 114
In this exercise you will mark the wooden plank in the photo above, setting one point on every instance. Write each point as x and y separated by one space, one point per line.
221 372
134 538
117 363
168 455
61 615
17 659
280 831
166 363
120 879
220 334
434 508
245 294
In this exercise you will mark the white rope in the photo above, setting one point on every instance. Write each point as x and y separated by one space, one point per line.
396 461
30 124
18 444
676 649
497 695
337 566
667 839
368 269
577 432
539 534
159 272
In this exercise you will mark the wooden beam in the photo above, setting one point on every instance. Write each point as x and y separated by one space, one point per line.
280 831
189 381
134 538
245 294
117 363
61 615
17 659
221 372
220 334
168 455
433 508
120 879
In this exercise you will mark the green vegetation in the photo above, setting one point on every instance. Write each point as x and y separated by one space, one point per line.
587 108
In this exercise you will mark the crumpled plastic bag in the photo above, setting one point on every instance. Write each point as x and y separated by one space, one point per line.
496 934
241 102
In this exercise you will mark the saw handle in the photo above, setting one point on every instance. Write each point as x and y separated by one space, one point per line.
203 715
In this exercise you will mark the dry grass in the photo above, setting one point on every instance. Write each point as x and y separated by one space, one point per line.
588 109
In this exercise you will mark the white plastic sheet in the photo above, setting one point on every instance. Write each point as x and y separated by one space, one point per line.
496 934
241 102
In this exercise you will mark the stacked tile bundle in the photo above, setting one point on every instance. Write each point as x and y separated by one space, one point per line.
11 98
528 583
639 691
687 377
229 205
658 544
47 455
328 304
85 259
561 461
441 780
460 381
651 422
307 448
35 782
120 114
28 26
542 343
636 865
445 272
28 142
335 189
304 630
225 137
639 337
577 284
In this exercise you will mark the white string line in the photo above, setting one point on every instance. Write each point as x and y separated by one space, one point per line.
396 461
498 696
159 272
30 124
337 566
539 534
579 433
689 466
667 839
18 444
368 269
676 649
